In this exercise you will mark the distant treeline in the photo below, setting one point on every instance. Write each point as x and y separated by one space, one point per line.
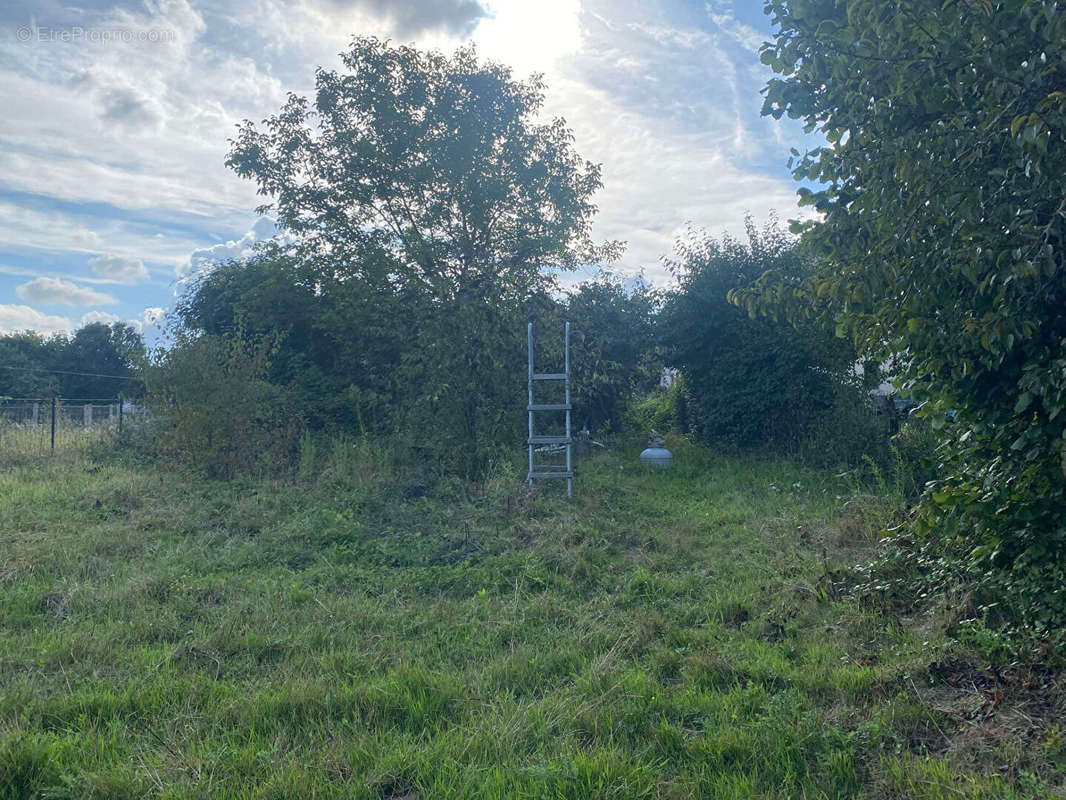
98 361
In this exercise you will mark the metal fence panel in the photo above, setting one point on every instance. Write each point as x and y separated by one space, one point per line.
39 426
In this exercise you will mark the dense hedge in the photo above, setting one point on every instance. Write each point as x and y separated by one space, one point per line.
753 381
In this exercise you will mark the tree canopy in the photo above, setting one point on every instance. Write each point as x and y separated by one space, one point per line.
941 195
427 172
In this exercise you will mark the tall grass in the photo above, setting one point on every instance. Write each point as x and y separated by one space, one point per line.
359 629
28 443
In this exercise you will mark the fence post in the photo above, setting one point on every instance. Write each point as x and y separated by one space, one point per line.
121 402
53 426
36 414
87 415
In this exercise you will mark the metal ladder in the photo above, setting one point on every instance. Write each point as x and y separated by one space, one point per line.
550 470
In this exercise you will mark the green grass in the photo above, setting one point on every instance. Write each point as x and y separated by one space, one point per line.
30 443
360 633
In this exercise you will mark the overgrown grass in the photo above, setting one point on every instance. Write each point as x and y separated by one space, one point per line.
28 444
361 632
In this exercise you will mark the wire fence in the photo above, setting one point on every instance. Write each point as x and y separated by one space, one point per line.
36 426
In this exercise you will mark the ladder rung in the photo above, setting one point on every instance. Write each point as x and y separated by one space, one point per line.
551 474
549 376
549 407
550 439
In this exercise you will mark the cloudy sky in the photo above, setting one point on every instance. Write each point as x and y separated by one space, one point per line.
116 118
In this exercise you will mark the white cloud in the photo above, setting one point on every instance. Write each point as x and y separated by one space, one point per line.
25 227
90 317
745 35
23 272
58 231
204 258
137 125
15 318
60 292
153 315
150 318
414 17
127 106
661 174
119 268
664 94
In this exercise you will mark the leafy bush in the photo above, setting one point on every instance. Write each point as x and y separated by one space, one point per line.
919 448
847 432
614 354
663 410
753 381
444 378
216 410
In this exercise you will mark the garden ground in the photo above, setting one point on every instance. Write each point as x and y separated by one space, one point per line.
359 632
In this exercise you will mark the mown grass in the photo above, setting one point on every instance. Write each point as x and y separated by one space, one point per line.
361 633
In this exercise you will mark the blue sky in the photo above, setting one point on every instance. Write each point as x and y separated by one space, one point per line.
116 117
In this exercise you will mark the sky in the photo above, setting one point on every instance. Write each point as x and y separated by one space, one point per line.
116 119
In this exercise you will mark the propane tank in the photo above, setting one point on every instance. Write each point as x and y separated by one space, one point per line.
655 455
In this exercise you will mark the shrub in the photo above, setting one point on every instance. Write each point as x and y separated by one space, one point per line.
614 354
846 433
753 381
217 412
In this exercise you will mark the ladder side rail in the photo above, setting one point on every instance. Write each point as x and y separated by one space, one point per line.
529 404
569 435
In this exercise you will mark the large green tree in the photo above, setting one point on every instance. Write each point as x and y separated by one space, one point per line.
25 360
428 210
101 361
426 172
941 199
